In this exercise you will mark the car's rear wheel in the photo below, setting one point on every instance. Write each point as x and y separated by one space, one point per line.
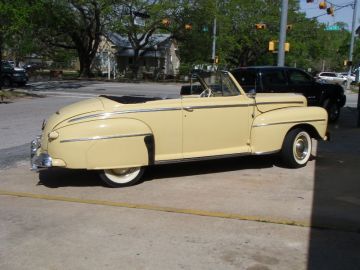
333 110
296 149
122 177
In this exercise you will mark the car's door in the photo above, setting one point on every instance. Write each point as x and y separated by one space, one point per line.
216 125
303 83
274 81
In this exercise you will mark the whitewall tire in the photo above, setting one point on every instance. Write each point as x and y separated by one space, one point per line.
122 177
296 150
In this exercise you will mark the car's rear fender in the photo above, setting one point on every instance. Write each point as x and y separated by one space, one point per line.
103 144
269 129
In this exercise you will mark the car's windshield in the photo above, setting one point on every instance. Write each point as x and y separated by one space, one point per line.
221 84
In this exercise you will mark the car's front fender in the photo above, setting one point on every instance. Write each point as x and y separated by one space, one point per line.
269 129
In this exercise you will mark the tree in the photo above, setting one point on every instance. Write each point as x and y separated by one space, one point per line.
138 20
70 24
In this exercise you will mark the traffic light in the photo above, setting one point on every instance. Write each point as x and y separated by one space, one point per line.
188 26
216 60
260 26
165 22
287 47
347 63
322 5
309 1
271 46
289 27
330 11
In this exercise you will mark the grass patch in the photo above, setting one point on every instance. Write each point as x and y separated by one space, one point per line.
7 96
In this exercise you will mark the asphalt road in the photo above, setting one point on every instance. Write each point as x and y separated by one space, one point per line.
106 88
95 88
222 214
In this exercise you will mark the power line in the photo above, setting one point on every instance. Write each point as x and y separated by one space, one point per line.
345 5
334 11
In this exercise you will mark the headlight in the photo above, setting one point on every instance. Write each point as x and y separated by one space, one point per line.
53 135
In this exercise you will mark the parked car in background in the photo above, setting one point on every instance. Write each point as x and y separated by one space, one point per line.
11 75
345 75
271 79
331 77
121 135
11 63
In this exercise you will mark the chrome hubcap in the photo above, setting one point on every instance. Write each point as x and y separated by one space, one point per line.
123 172
302 147
122 176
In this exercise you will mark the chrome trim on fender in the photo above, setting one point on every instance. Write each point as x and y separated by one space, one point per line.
158 162
105 115
218 106
104 137
279 102
266 153
290 122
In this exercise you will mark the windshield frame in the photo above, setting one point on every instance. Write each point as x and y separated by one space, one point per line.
222 80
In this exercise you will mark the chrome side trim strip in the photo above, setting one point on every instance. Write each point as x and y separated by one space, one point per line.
266 153
105 115
290 122
218 106
104 137
158 162
279 102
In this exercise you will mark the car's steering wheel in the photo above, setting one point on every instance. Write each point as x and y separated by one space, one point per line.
206 93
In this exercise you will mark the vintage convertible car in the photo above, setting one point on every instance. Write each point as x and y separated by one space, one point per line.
120 136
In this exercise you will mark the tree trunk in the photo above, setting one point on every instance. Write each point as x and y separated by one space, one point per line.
135 66
85 64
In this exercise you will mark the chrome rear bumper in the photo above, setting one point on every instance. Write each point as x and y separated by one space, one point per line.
39 160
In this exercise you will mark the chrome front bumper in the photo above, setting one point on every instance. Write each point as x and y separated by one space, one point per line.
38 160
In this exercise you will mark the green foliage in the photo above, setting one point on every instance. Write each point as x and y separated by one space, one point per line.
240 44
59 29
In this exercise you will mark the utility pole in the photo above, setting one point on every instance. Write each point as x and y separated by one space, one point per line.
1 44
213 54
352 43
282 38
109 65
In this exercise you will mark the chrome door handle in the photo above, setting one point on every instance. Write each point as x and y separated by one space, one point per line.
188 109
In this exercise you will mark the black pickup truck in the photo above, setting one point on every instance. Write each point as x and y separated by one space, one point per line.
271 79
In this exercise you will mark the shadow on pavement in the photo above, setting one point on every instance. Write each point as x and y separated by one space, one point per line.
58 177
336 200
210 166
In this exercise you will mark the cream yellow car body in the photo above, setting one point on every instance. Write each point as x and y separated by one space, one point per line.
100 133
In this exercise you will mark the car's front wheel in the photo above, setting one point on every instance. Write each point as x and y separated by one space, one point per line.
333 110
122 177
296 149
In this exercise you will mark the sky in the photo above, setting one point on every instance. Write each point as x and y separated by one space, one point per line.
342 15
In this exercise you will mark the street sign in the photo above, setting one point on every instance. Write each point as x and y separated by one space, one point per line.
333 28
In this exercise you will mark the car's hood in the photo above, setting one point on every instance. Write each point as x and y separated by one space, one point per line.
273 101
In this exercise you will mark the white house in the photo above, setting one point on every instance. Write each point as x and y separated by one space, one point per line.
159 56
